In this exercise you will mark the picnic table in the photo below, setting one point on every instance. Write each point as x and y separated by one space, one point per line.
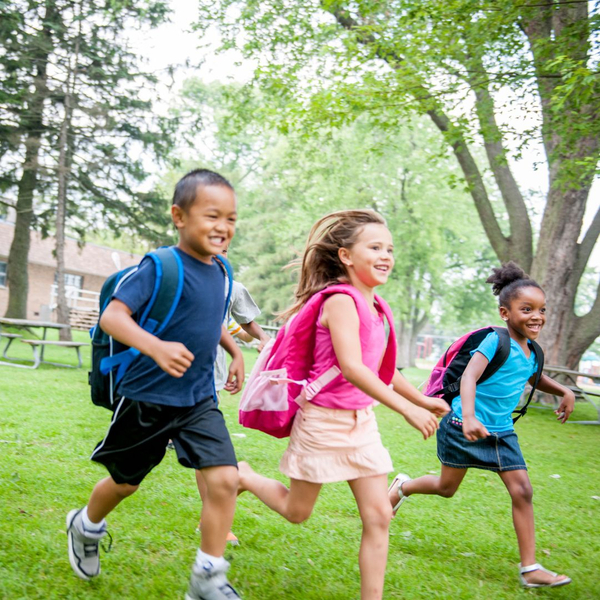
571 377
37 346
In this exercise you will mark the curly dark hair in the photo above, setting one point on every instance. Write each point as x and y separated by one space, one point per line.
507 280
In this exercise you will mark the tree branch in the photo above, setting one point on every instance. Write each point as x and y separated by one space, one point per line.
586 247
453 136
477 188
521 234
587 328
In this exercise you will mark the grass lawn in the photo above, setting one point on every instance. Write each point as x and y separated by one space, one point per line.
439 548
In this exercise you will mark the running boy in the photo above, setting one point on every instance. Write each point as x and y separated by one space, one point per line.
167 393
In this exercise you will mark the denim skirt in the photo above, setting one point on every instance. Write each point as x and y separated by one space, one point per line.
499 451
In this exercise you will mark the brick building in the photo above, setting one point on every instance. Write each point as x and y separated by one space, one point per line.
86 268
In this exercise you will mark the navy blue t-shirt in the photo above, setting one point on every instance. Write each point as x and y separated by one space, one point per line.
196 323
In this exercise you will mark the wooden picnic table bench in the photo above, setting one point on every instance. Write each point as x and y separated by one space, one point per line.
593 397
38 357
11 337
38 346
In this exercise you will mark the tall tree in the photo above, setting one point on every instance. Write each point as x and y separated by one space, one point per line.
465 65
99 127
24 68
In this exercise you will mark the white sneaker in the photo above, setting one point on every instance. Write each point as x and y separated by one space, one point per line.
210 583
83 546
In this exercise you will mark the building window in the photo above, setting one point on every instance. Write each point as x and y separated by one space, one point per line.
72 281
3 267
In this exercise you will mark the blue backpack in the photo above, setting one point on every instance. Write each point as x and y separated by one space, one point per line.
110 358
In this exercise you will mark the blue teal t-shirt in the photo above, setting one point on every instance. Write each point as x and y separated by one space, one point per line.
498 396
196 323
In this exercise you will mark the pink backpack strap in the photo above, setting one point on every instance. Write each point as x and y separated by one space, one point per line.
388 364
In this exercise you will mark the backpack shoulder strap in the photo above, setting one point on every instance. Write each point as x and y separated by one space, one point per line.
226 266
168 285
539 355
388 363
501 355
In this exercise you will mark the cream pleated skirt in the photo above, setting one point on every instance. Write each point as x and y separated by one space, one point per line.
330 444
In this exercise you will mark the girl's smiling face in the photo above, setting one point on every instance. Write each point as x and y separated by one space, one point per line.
526 314
370 260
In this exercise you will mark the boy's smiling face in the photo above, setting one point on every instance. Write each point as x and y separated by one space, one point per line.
207 226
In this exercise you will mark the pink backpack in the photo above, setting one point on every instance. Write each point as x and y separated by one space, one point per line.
278 384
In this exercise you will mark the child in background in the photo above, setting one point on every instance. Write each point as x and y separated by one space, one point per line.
479 431
334 436
241 314
167 393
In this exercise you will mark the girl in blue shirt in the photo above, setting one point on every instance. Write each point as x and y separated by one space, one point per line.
479 433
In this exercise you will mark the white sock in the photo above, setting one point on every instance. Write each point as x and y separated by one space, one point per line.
90 525
216 561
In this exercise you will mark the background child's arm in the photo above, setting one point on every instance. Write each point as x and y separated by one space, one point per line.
473 429
243 335
341 317
172 357
548 385
257 332
406 389
235 378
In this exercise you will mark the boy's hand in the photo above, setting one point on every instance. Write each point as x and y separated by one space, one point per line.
473 429
438 406
236 375
421 419
172 357
566 407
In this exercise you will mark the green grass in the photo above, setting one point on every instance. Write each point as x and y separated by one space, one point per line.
439 548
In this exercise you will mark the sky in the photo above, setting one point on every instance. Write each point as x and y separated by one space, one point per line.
176 43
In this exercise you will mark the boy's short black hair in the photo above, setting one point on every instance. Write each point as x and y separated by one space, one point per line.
187 186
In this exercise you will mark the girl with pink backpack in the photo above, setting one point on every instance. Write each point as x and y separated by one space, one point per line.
337 338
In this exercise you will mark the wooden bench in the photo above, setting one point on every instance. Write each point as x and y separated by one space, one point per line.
11 337
568 378
38 358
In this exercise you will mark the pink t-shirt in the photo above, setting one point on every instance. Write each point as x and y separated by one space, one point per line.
341 393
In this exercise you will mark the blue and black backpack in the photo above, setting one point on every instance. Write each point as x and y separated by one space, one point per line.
110 358
445 378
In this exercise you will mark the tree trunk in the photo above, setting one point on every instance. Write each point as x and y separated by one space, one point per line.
64 168
62 308
32 124
559 42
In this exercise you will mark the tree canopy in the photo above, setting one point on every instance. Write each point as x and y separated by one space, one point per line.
498 75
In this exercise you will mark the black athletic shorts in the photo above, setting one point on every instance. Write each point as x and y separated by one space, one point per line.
139 432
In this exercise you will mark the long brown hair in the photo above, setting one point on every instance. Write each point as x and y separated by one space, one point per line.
320 265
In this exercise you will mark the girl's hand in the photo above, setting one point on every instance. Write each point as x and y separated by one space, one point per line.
236 375
473 429
566 407
421 419
438 406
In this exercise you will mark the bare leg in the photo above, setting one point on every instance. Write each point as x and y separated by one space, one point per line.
376 514
106 496
218 507
519 487
294 504
202 491
445 485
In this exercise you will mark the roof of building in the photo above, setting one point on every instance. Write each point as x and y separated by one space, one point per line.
88 259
